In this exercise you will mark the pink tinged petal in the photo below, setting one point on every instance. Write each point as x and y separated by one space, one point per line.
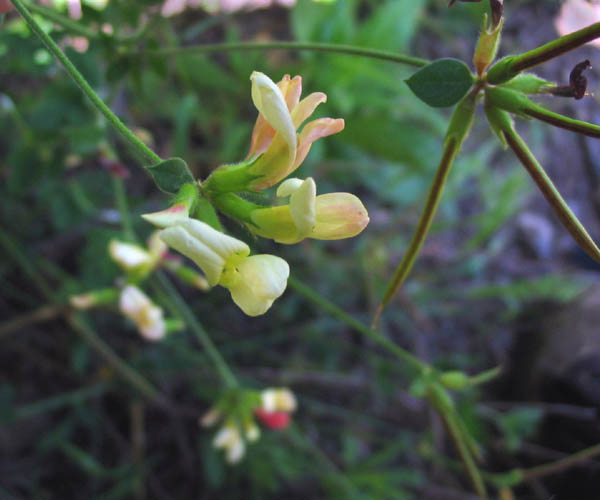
313 131
283 84
339 215
293 92
307 107
577 14
169 217
262 135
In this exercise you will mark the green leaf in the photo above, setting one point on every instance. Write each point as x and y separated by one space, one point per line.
169 175
442 83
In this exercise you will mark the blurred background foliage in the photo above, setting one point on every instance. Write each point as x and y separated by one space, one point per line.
71 428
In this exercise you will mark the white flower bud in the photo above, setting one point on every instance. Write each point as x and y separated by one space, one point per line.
147 316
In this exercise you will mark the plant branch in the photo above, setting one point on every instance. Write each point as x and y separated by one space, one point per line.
458 129
545 185
297 46
149 156
181 309
112 358
560 465
360 327
65 22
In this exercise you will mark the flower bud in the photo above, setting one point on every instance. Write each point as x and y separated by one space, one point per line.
210 418
276 420
147 316
230 439
128 255
273 400
454 380
94 298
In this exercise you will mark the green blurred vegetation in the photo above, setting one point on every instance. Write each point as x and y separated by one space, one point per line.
72 427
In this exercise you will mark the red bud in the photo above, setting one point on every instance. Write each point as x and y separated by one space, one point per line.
273 420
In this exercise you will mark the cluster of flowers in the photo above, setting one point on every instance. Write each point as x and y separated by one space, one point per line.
277 149
138 263
254 281
237 410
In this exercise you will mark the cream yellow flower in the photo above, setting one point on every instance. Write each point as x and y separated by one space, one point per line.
253 281
279 149
330 216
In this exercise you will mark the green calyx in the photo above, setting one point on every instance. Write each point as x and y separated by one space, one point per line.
231 178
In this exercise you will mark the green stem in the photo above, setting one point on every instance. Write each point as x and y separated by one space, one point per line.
49 404
184 312
519 104
458 129
121 199
431 205
560 465
463 450
277 45
545 185
370 333
441 400
150 156
486 376
120 366
65 22
511 66
235 206
555 48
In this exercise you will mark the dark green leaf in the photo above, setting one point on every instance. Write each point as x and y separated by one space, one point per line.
169 175
441 83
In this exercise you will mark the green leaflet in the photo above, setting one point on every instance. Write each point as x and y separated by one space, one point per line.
442 83
169 175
